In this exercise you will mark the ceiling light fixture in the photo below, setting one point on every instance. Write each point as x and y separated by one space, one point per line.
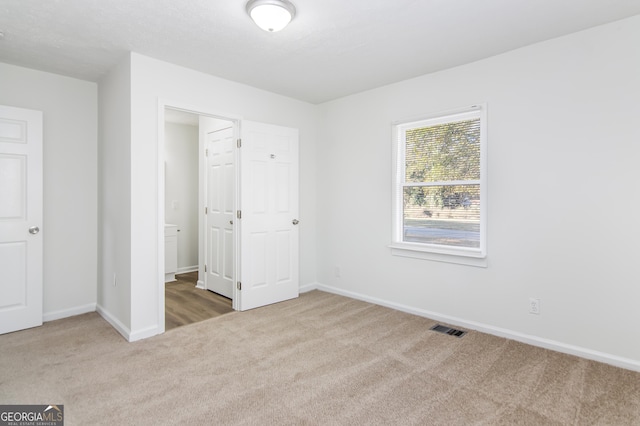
271 15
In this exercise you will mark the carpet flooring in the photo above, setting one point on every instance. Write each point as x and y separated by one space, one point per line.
321 359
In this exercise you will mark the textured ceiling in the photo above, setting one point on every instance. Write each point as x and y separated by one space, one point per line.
331 49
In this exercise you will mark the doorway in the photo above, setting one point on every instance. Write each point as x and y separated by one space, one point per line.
198 171
264 223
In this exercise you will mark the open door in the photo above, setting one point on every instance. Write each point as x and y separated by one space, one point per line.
268 215
219 215
20 219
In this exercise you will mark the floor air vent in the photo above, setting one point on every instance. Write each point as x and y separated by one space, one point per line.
448 330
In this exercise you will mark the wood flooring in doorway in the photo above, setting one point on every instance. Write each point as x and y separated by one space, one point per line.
186 304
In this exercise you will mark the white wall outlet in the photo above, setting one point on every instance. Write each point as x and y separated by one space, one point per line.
534 306
338 272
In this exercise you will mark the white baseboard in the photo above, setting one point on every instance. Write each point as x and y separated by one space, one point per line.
124 330
70 312
627 363
308 287
115 323
186 269
200 285
144 333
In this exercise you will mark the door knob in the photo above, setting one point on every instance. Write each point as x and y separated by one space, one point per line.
230 222
295 221
34 230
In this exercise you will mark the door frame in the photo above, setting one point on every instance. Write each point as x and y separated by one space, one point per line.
200 111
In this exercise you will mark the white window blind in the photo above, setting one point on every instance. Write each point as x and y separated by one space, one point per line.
439 189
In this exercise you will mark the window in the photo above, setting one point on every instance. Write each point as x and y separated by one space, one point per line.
440 186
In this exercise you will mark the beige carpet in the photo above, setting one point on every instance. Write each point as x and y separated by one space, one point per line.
320 359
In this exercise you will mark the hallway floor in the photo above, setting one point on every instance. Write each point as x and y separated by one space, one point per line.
186 304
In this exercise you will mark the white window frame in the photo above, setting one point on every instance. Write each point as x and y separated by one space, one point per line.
452 254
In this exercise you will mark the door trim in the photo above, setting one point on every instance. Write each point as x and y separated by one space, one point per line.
202 111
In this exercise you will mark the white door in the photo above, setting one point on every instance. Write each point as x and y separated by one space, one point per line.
220 212
269 215
20 219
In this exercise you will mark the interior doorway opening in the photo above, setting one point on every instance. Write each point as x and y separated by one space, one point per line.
199 196
262 259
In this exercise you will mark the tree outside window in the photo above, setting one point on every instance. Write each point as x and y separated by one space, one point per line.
439 176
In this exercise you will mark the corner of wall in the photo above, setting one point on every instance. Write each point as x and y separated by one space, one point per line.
114 203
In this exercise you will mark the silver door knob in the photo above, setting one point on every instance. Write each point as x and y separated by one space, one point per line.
230 222
34 230
295 221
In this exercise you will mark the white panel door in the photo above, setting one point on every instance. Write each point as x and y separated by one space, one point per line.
269 207
220 212
20 219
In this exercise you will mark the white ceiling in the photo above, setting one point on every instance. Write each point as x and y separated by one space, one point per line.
331 49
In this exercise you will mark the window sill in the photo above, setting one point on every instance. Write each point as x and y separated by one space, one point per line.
459 257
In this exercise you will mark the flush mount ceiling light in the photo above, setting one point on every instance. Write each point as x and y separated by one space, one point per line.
271 15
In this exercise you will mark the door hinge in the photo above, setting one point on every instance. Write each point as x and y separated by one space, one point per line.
205 268
239 214
206 210
239 143
239 285
206 152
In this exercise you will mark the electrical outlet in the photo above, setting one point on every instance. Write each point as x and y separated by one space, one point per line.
338 272
534 306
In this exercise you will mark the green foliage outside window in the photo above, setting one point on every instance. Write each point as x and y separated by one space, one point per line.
439 154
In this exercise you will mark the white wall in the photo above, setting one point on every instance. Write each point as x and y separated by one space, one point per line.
563 195
181 189
152 79
70 181
114 285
